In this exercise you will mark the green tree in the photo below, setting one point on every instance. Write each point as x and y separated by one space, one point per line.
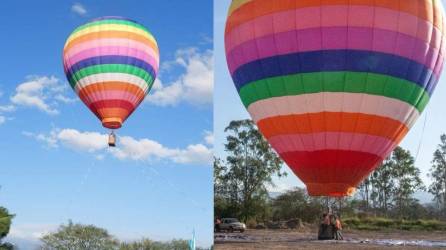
438 175
406 179
221 206
382 186
364 193
5 225
79 237
296 204
146 244
248 170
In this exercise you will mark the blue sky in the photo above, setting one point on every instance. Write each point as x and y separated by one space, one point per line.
54 165
227 107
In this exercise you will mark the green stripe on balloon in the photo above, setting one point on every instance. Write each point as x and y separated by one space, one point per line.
110 68
352 82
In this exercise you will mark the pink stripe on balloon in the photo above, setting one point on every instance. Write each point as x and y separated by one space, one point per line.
112 42
110 95
112 50
335 16
376 145
332 38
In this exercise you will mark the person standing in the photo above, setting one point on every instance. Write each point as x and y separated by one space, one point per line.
338 229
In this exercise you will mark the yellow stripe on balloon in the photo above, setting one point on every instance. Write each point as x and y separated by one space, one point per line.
111 27
237 4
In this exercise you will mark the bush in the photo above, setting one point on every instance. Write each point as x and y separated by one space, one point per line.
251 223
383 222
294 224
378 223
351 222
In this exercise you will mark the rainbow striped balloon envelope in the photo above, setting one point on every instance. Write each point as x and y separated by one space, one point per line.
111 64
335 85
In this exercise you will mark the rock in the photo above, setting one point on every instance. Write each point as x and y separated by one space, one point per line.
273 225
294 224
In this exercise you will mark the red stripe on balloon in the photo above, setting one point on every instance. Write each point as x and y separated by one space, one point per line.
331 166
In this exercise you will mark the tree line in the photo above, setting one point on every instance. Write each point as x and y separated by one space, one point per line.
79 237
242 179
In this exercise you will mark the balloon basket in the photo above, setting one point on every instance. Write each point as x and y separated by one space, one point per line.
112 139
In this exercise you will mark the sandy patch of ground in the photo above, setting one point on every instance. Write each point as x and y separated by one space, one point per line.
306 239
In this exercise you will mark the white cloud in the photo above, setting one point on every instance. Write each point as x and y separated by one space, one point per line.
209 137
195 85
128 147
100 157
193 154
41 92
49 140
30 231
79 9
64 99
165 95
73 139
7 108
82 141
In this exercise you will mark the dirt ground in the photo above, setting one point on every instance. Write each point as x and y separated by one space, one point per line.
306 239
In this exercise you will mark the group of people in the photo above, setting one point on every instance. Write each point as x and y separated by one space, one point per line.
330 228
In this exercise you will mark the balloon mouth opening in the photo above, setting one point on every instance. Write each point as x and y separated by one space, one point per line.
330 189
112 123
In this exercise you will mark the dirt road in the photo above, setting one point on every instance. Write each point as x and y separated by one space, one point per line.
306 239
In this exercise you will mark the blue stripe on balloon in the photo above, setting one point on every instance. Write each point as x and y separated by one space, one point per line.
336 60
92 61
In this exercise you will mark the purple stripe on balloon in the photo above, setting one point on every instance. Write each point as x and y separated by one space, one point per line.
333 38
112 51
334 16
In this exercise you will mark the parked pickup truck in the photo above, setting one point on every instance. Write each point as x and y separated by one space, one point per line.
230 225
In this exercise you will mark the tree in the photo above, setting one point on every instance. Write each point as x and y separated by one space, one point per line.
296 204
438 175
363 191
392 185
249 167
146 244
382 184
78 236
5 225
406 179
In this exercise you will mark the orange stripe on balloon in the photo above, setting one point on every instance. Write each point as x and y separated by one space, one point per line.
333 122
112 113
111 34
122 86
423 9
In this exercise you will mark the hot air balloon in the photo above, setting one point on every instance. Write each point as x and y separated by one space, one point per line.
335 85
111 64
